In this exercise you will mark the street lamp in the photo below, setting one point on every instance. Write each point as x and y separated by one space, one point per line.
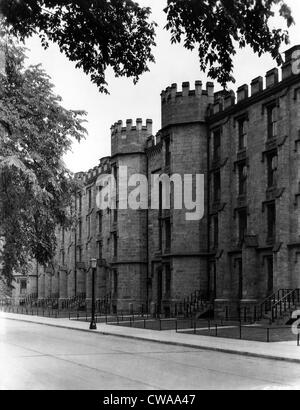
93 325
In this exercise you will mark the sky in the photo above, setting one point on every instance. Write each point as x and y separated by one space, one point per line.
173 64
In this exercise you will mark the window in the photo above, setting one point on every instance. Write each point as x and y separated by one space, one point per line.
100 222
168 234
272 163
243 171
100 249
115 238
80 229
243 223
63 258
217 145
100 196
217 186
23 287
79 254
90 198
167 152
272 121
242 134
80 203
216 231
168 280
271 219
88 223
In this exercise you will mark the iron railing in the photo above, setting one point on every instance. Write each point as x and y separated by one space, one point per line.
266 306
192 305
286 304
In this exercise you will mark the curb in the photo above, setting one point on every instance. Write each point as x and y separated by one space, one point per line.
170 343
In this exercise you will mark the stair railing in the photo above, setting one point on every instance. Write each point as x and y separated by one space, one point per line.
191 304
266 306
285 304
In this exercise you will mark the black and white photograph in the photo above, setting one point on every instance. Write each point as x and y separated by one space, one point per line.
149 198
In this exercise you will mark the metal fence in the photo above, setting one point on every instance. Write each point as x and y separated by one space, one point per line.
232 328
51 313
250 332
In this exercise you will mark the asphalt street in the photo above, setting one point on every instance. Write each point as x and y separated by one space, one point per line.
36 357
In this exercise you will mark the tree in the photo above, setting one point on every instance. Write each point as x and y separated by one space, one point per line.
216 27
93 33
35 186
98 34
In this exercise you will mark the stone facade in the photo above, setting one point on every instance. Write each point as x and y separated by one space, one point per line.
246 246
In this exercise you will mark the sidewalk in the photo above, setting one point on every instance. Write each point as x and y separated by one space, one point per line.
283 351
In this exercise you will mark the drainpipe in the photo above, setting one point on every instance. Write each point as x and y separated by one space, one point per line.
147 242
208 182
75 254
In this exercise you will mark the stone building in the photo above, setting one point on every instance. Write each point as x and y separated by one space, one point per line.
245 247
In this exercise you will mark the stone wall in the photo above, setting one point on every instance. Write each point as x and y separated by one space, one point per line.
135 267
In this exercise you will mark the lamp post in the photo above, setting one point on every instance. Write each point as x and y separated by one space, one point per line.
93 325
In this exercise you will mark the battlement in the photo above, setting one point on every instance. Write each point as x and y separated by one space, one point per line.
225 101
92 174
130 139
154 141
172 93
186 106
118 127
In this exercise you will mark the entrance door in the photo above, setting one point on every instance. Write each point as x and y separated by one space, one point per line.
270 273
159 290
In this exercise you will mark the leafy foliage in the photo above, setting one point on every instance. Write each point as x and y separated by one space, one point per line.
35 186
217 26
96 34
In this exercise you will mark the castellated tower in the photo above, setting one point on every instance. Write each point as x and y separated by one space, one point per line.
178 260
186 106
131 138
128 226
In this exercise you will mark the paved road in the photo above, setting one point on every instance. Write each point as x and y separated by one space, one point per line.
40 357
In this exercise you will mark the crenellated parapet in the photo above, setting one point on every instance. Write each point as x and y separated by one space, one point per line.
258 87
131 138
154 144
89 177
186 106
